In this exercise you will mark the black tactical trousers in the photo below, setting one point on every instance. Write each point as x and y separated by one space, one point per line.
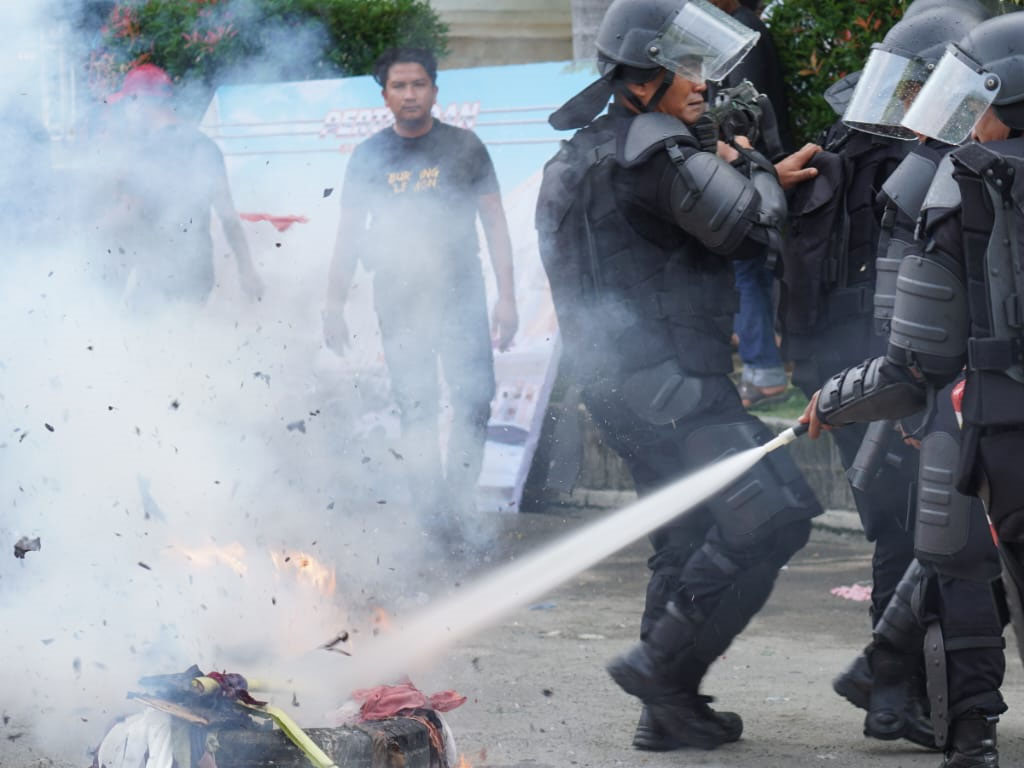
969 616
694 564
416 335
1000 458
885 508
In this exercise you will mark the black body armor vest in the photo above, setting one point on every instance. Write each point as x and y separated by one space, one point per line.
991 180
627 297
829 268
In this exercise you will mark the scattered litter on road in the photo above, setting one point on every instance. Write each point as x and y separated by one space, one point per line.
590 636
859 593
543 606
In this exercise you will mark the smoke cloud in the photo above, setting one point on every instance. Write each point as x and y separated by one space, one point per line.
187 466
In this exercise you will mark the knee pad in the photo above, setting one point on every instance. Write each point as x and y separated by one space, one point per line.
765 498
951 531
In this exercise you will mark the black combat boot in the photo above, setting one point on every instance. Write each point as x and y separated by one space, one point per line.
896 708
894 712
854 683
650 671
972 742
651 737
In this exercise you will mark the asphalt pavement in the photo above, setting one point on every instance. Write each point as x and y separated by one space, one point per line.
539 696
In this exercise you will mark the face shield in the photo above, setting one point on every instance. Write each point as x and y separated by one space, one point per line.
953 99
886 89
702 43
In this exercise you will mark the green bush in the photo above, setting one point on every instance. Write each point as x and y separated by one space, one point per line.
212 41
820 42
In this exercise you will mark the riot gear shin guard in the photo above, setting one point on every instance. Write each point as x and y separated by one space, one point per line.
899 626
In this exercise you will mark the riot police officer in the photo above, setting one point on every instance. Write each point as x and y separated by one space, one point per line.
957 302
639 217
839 225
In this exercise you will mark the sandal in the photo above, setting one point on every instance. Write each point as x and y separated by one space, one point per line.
757 397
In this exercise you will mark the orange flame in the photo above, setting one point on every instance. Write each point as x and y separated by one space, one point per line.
381 620
307 569
231 555
463 762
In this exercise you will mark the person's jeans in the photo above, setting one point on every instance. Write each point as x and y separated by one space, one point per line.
762 364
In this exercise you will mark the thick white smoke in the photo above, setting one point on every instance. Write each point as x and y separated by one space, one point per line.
166 457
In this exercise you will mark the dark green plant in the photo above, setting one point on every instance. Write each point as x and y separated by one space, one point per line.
820 42
360 30
211 41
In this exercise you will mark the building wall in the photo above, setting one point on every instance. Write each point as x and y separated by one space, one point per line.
496 32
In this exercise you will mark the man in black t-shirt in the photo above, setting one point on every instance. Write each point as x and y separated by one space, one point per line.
161 200
408 213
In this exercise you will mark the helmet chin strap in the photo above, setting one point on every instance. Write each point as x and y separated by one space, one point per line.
655 100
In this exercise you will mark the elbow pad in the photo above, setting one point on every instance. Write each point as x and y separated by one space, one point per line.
930 320
871 391
714 202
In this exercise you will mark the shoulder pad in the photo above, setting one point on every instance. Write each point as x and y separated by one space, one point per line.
908 185
944 191
648 133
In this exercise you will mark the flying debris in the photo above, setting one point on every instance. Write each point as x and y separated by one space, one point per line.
25 545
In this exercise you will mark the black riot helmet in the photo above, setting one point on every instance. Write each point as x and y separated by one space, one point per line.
899 66
638 39
985 68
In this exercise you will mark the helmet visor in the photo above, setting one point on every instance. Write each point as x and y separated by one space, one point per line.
953 99
886 89
702 43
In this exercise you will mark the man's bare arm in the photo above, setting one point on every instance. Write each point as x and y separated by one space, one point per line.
506 320
224 206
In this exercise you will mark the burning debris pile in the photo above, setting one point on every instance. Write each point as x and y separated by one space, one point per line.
213 720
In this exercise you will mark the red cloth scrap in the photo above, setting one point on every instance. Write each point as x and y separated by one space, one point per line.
386 701
957 396
280 223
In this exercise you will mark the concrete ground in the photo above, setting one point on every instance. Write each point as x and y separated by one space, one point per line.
539 696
